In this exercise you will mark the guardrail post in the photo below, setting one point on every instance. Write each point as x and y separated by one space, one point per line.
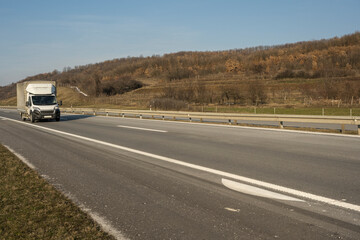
343 128
152 116
123 115
190 119
281 124
94 113
107 114
201 120
174 118
140 116
83 113
229 121
163 117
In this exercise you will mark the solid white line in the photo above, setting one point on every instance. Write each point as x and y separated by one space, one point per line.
102 221
143 129
255 191
206 169
106 225
22 158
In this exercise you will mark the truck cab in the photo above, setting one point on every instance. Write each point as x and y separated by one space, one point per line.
39 101
43 107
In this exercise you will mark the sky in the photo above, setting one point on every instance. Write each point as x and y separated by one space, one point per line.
41 36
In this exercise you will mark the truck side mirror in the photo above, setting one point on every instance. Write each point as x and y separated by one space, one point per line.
60 103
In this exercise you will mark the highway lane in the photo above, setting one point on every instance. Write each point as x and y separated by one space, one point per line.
184 203
327 126
283 158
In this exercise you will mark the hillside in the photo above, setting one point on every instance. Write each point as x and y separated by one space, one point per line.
312 73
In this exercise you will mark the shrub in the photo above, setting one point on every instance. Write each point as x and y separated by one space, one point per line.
168 104
120 86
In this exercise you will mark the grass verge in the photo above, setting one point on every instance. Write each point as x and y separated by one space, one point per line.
31 208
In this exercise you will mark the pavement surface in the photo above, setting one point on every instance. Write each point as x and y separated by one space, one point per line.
152 179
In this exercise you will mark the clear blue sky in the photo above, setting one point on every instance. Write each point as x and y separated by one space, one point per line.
41 36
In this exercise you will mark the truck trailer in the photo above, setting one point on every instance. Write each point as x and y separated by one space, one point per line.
36 100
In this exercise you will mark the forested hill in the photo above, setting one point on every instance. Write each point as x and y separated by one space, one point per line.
322 59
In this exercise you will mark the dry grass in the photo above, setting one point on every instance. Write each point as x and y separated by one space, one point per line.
8 102
31 208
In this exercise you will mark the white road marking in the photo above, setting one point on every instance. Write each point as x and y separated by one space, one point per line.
271 186
143 129
102 221
255 191
106 225
22 158
232 209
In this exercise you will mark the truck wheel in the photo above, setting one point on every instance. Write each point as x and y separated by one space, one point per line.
57 119
32 117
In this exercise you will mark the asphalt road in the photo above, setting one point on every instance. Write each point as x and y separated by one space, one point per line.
154 179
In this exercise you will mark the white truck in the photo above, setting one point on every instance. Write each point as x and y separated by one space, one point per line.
36 100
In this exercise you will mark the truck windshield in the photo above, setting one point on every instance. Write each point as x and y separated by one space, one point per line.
44 100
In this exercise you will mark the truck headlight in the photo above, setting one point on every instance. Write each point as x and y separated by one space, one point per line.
56 108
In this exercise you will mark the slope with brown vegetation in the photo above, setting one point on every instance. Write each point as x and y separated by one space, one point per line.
316 72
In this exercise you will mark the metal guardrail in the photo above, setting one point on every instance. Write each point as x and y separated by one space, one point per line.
230 118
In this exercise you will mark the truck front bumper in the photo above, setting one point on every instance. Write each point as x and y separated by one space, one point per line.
46 114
